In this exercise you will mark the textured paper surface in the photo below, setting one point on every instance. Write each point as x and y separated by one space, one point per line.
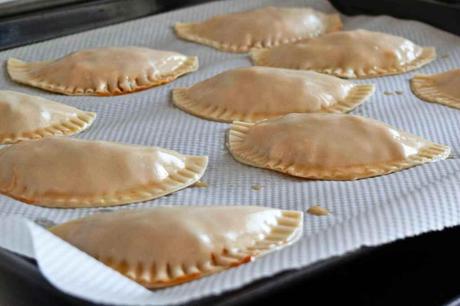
365 212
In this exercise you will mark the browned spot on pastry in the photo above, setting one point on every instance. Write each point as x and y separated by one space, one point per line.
317 210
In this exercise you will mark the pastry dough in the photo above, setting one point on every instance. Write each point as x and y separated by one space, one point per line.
165 246
26 117
443 88
259 28
256 93
103 71
349 54
65 172
329 146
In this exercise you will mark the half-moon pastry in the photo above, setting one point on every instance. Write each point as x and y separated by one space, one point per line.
349 54
443 88
25 117
103 71
329 146
166 246
256 93
260 28
71 173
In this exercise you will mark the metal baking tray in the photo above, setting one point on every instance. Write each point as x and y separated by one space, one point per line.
416 271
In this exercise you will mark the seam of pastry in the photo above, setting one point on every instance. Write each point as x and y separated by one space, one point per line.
422 87
358 94
259 57
250 156
183 102
281 234
192 172
66 128
184 30
18 71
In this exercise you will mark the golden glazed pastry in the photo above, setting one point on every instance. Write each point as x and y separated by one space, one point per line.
26 117
329 146
349 54
259 28
256 93
443 88
165 246
65 172
103 71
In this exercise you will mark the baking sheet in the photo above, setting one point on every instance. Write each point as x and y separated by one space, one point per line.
364 212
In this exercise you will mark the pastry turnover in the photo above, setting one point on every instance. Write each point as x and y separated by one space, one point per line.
329 146
349 54
256 93
66 172
259 28
441 88
165 246
29 117
103 71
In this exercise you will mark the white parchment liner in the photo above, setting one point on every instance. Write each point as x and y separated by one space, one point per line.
365 212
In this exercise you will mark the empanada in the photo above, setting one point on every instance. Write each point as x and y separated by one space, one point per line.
66 172
329 146
256 93
165 246
349 54
103 71
26 117
259 28
443 88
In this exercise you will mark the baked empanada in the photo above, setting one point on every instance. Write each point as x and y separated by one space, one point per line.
103 71
259 28
166 246
443 88
66 172
349 54
329 146
256 93
26 117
